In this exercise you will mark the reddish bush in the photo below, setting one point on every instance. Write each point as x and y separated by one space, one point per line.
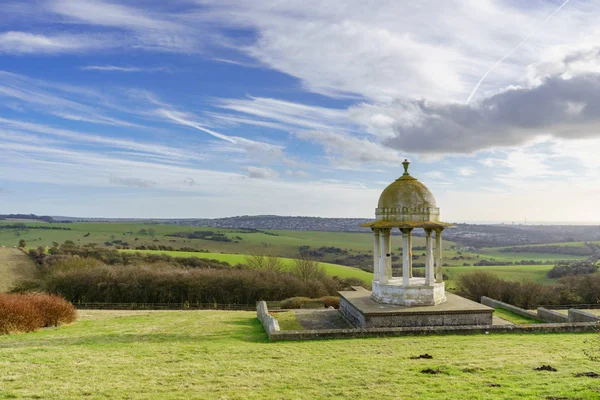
331 301
54 309
26 312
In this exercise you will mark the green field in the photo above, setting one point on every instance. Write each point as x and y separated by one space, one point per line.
233 259
535 273
226 355
279 243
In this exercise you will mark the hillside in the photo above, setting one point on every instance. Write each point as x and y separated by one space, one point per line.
14 266
226 355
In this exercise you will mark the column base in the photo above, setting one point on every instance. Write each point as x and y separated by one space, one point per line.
417 293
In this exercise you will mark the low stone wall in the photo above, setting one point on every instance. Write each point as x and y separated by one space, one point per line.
432 330
500 304
267 320
552 316
582 316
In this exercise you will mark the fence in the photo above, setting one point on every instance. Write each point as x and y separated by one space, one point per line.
172 306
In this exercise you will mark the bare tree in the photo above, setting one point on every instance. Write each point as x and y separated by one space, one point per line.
307 268
264 262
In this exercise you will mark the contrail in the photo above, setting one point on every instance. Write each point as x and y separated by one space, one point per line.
512 51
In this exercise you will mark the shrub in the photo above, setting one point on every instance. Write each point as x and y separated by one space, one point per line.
54 310
305 302
165 283
330 301
27 312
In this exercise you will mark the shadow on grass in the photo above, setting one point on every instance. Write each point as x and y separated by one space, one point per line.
246 329
252 331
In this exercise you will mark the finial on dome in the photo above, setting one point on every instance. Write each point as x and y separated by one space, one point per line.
406 164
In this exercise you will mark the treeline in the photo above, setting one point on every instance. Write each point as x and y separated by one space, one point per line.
46 259
204 235
90 274
579 289
162 283
22 226
570 269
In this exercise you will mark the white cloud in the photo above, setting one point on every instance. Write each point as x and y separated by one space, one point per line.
347 151
27 43
297 173
261 172
132 182
466 171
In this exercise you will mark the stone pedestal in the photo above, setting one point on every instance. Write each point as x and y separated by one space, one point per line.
360 310
416 293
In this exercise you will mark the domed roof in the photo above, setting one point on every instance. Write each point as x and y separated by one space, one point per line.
408 192
406 204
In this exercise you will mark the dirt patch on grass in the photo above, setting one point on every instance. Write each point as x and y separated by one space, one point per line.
587 375
546 368
431 371
422 356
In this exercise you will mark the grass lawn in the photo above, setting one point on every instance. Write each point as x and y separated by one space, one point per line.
226 355
233 259
15 265
287 321
514 318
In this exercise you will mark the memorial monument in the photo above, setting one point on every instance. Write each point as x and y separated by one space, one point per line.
407 204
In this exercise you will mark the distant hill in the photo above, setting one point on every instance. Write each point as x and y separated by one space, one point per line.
470 235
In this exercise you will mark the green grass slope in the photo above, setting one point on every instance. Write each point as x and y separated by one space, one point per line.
14 266
233 259
226 355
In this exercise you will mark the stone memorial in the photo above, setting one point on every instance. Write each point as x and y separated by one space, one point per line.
407 204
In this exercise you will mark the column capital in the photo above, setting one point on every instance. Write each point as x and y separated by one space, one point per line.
406 231
428 230
384 231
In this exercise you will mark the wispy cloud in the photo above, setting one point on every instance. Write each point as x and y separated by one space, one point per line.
131 182
28 43
344 150
115 68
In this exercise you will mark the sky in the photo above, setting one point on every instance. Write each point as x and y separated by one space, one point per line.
215 108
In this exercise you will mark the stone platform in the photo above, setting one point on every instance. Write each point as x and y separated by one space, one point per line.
360 310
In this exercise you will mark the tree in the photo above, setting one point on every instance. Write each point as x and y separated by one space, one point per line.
264 262
307 269
22 243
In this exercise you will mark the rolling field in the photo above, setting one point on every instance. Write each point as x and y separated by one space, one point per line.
279 243
233 259
535 273
226 355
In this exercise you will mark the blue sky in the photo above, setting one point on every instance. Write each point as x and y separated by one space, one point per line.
219 108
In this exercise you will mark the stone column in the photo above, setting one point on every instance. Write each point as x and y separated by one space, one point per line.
410 259
405 257
376 268
429 272
388 253
384 239
439 278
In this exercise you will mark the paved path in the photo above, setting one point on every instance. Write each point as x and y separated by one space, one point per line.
500 321
320 319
